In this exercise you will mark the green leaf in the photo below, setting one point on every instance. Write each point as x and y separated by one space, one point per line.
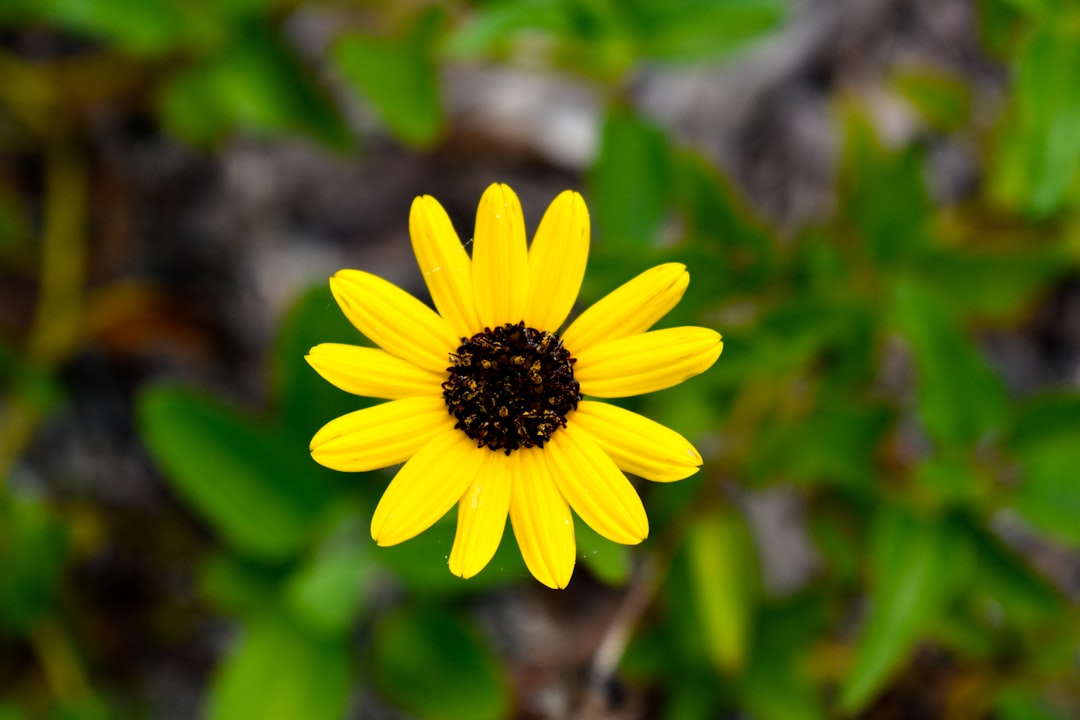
581 36
329 592
278 671
148 27
917 566
839 446
631 183
86 707
943 99
1024 704
694 30
951 480
1044 440
1049 489
493 26
1045 420
399 76
1040 147
960 399
996 284
723 577
236 586
608 561
1017 590
434 665
883 193
421 563
26 384
305 401
33 550
715 217
777 684
253 488
256 84
11 712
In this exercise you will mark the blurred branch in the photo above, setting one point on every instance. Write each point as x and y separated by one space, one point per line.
63 256
27 93
59 661
609 654
55 329
31 98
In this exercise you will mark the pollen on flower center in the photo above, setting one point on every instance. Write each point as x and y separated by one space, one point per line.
511 387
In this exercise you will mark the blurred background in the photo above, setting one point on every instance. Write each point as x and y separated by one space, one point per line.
879 205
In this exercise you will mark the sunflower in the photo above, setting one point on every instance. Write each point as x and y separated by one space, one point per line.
490 406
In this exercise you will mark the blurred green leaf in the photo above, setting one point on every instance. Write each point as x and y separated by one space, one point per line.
1050 486
693 697
883 194
609 562
329 592
1044 440
256 84
917 566
399 76
839 528
839 446
1040 146
995 285
33 385
421 564
693 30
998 21
942 98
724 581
253 488
1036 8
144 28
1024 704
1024 596
1049 419
950 480
588 37
83 708
631 183
280 672
11 712
237 586
960 399
776 685
434 664
494 25
305 401
715 217
33 550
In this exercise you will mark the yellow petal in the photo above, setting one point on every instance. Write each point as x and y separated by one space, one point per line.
647 362
500 258
630 309
380 436
482 515
372 372
541 519
595 487
637 444
445 265
395 320
426 487
557 260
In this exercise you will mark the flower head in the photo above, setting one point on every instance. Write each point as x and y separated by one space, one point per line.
490 406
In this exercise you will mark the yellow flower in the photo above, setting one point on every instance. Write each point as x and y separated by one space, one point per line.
487 403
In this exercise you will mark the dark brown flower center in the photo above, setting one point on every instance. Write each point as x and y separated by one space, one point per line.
511 387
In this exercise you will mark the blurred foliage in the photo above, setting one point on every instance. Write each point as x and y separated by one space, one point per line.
853 379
